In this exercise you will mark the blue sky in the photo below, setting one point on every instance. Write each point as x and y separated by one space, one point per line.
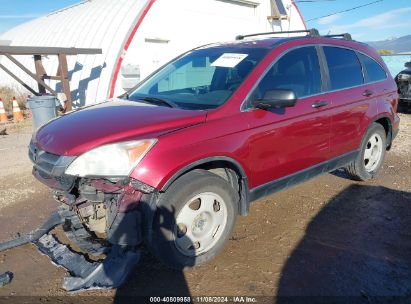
14 12
379 21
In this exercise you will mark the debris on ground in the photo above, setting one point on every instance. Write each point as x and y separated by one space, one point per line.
84 274
5 278
54 220
3 132
110 273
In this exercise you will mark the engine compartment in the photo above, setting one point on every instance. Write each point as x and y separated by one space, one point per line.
104 212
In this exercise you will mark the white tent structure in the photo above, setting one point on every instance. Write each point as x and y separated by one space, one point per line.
138 36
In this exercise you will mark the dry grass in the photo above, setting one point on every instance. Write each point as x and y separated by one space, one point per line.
8 92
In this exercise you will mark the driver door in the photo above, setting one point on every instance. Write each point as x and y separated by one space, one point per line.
286 141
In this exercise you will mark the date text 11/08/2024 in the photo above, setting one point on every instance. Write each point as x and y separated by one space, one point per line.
205 299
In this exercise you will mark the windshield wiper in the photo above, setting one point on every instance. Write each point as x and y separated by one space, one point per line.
155 100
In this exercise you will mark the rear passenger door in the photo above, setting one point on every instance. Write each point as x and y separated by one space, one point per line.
375 77
351 100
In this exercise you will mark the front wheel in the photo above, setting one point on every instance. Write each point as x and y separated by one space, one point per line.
194 219
371 157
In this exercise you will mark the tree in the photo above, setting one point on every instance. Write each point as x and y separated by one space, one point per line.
385 52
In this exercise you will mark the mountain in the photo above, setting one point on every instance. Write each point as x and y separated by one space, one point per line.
398 45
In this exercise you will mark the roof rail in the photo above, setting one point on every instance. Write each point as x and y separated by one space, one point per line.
311 32
345 36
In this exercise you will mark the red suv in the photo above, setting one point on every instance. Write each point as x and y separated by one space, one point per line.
176 159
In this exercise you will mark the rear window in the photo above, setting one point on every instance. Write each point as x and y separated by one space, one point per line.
344 68
373 71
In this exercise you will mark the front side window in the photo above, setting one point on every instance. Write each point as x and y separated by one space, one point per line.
374 72
343 67
298 70
201 79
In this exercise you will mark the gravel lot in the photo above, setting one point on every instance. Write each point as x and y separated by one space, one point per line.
329 236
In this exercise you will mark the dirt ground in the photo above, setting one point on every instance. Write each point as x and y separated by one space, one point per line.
327 237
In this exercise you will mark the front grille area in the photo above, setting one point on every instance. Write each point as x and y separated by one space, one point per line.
49 168
42 160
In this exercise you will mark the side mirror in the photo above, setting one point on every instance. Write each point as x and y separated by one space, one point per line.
408 64
278 98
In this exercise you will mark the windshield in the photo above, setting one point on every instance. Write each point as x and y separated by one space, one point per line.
201 79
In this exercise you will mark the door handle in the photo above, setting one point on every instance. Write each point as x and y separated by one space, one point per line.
367 93
319 104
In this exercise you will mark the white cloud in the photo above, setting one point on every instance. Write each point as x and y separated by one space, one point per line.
385 20
329 19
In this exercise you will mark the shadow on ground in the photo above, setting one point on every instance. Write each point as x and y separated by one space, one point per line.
404 108
358 245
151 278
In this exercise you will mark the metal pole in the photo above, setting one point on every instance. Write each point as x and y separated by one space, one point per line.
34 76
18 80
40 72
65 84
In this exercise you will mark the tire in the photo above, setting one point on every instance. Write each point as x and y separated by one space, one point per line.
208 225
403 106
371 157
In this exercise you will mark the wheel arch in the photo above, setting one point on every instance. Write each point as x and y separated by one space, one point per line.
235 174
386 122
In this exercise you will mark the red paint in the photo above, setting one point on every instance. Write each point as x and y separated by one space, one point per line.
125 48
270 146
107 123
299 12
267 144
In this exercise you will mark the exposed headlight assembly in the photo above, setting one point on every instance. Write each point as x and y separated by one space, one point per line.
404 77
117 159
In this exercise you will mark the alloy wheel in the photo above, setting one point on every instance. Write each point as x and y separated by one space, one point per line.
200 224
373 152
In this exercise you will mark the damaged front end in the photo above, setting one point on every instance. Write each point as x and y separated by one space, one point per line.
403 80
104 212
99 215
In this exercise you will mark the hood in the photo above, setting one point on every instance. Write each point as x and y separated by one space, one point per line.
114 121
406 71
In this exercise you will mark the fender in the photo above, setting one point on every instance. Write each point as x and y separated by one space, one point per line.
244 190
390 131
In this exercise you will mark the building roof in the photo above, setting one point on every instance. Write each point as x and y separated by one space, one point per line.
100 24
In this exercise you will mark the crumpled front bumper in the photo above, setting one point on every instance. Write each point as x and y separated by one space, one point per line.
115 199
81 199
84 274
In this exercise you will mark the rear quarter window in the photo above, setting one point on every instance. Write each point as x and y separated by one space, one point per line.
373 71
344 68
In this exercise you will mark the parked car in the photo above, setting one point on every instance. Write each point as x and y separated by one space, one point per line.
403 80
177 158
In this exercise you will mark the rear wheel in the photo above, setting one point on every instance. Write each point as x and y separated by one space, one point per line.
194 219
371 156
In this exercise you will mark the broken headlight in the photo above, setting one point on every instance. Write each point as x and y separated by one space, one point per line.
406 77
117 159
